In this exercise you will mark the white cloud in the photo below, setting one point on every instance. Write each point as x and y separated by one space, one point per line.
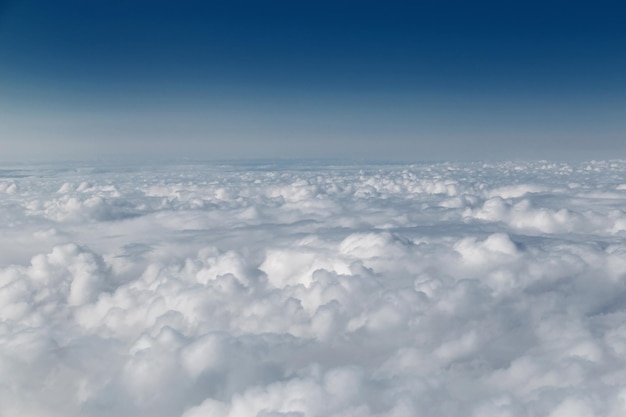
435 290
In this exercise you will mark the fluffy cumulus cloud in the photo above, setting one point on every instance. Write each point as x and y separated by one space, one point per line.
313 291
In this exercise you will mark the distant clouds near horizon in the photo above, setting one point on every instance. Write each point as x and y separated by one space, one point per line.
399 81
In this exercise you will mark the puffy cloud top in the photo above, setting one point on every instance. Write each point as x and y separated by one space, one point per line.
236 291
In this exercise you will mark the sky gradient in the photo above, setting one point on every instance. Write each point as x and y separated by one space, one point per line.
406 81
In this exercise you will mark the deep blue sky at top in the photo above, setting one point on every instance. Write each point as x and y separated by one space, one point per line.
237 79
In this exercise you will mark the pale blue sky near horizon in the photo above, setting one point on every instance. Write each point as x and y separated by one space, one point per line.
403 81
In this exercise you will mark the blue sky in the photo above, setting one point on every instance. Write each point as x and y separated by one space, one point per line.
282 79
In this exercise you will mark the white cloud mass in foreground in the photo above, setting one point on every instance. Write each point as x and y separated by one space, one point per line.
318 291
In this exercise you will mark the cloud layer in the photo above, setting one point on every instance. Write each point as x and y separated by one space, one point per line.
275 290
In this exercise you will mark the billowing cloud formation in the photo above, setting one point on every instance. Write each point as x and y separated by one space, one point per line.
235 291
